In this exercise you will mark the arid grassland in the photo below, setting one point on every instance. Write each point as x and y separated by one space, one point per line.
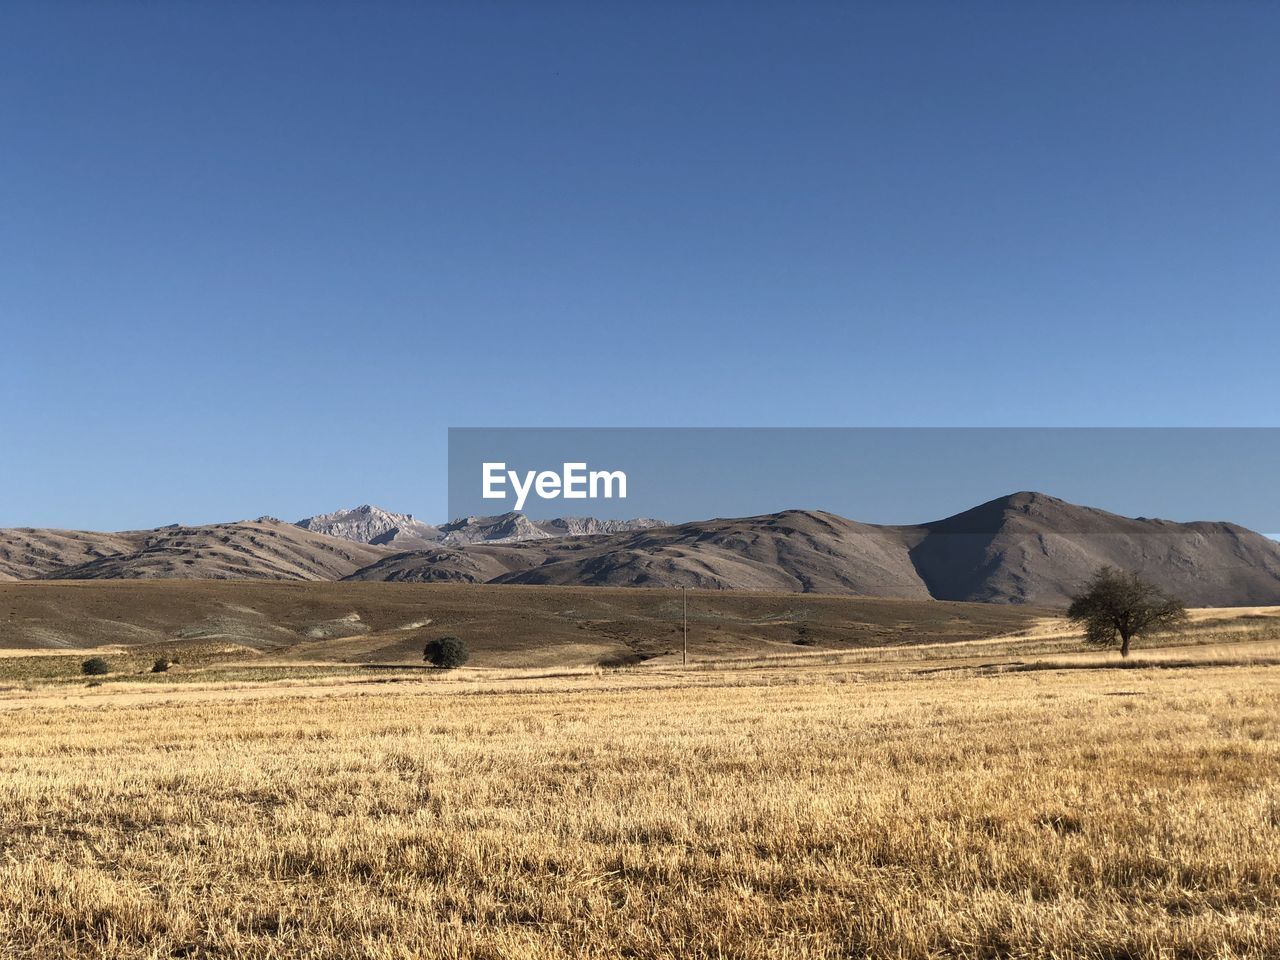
765 813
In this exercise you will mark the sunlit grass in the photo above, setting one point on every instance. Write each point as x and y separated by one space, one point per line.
778 814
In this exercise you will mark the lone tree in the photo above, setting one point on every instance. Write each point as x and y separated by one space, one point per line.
1120 606
446 652
95 667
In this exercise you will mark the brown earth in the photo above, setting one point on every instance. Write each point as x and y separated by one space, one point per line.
27 553
1025 548
253 549
503 625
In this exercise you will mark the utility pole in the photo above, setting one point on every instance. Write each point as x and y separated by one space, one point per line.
684 659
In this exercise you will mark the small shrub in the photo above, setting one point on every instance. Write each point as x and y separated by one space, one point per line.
446 652
95 667
161 665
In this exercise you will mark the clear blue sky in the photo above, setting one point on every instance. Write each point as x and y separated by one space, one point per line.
257 257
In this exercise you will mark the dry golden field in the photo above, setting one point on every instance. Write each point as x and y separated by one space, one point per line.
819 807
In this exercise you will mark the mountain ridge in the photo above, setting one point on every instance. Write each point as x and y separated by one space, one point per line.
1027 547
374 525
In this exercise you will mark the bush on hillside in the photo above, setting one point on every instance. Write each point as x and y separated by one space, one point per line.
446 652
95 667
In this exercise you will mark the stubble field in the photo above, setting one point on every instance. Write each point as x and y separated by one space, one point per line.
773 812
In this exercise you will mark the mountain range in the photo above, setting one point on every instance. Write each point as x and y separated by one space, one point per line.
1023 548
263 549
373 525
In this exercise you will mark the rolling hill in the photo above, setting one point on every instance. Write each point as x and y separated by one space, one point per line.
28 553
1023 548
1033 548
1026 548
263 549
504 626
795 551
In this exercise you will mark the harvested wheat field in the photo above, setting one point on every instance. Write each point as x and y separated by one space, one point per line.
769 812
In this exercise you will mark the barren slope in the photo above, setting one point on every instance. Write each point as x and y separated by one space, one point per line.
1023 548
474 563
1033 548
249 550
795 551
26 552
517 528
503 625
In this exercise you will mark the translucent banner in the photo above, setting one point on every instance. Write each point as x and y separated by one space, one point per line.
874 475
